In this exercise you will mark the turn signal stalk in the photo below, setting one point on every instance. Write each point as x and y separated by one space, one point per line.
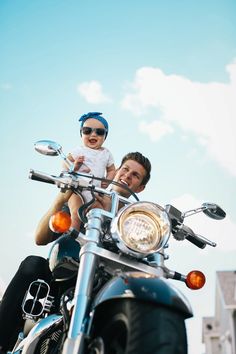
195 280
60 222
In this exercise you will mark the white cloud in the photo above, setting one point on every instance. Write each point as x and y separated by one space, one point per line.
220 231
92 92
205 109
156 129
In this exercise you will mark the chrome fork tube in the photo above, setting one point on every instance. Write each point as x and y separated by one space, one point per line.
82 293
84 284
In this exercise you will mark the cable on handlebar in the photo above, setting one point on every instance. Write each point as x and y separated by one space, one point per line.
83 208
110 181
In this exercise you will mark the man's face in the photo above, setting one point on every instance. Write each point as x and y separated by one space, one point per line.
131 174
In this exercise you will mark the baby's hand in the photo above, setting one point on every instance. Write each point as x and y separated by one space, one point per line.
78 162
80 165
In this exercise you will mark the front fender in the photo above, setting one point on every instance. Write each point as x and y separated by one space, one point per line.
147 288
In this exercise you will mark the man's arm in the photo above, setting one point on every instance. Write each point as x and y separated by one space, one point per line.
43 234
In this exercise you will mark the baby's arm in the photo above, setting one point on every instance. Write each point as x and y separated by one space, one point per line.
64 164
111 171
110 174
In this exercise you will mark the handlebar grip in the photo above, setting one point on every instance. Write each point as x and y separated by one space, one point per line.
37 177
196 241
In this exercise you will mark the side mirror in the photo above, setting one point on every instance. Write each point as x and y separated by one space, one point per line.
213 211
51 148
48 147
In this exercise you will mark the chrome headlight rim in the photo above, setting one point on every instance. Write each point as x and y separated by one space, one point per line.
152 211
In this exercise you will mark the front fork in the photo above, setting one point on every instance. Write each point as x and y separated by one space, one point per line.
74 344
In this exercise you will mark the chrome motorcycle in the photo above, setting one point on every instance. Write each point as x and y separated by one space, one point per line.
121 300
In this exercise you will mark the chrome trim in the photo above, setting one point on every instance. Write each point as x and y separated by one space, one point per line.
28 344
131 264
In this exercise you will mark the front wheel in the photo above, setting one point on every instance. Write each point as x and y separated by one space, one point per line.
128 326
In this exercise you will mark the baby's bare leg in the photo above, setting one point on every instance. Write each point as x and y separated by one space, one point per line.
74 204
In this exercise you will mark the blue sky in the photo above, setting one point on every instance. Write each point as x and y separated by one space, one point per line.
164 75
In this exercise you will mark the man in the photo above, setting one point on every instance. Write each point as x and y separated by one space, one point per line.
134 172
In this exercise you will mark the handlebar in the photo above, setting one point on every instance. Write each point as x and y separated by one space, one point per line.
65 180
184 232
68 180
73 180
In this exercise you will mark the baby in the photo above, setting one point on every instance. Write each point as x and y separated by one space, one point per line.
92 158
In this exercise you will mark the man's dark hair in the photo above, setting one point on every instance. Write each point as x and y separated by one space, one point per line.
138 157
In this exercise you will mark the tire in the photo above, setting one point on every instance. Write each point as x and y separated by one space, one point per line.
129 326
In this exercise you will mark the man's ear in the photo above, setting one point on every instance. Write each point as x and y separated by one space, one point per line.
140 188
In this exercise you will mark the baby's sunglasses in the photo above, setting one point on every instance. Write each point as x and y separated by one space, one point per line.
89 130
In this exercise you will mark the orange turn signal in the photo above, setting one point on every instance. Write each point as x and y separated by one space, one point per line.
60 222
195 280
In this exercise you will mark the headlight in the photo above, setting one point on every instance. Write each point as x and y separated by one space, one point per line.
141 228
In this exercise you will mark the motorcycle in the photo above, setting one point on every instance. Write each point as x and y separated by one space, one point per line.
121 300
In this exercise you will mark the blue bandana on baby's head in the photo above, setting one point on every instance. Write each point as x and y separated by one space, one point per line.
94 115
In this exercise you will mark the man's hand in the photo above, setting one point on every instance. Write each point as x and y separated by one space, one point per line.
103 202
62 198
